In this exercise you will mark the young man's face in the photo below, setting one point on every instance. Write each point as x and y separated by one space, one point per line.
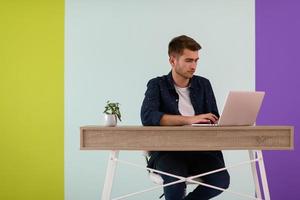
185 65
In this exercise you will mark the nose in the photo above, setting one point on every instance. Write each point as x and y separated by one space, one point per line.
193 66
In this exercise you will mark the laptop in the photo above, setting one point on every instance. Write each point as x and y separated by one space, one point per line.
241 109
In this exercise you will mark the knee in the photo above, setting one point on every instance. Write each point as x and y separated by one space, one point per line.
220 179
225 180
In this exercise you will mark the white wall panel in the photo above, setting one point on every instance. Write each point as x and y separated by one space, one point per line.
112 48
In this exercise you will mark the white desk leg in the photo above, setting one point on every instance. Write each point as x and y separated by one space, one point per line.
110 172
263 175
254 174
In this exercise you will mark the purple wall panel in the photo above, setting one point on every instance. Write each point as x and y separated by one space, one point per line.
278 73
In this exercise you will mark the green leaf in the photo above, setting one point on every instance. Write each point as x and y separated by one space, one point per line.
112 108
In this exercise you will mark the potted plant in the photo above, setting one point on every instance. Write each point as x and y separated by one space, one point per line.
111 113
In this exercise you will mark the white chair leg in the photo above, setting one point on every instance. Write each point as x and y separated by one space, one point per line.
263 175
110 172
254 174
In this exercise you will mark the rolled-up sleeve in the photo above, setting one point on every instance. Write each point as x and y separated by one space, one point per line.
150 114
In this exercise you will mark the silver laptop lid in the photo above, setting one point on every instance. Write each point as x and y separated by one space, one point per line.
241 108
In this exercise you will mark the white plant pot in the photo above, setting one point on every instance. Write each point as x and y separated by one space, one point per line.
110 120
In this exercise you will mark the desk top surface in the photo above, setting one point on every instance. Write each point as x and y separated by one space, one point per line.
185 138
187 127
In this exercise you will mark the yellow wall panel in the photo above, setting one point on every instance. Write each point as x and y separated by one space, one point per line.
32 99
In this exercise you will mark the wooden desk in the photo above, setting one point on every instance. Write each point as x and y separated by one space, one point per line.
184 138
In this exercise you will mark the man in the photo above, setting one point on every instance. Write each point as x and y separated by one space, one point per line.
181 98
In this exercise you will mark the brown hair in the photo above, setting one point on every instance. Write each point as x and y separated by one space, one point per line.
178 44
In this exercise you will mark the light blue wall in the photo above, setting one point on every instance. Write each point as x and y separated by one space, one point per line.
112 48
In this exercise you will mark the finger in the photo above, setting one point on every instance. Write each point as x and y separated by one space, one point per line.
214 116
211 118
203 121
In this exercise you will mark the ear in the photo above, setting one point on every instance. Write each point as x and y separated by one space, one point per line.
172 60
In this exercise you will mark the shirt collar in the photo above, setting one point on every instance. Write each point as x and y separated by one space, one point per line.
171 81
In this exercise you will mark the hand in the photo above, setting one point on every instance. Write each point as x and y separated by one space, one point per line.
204 118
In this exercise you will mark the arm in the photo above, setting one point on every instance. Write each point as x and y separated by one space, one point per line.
177 120
210 117
150 114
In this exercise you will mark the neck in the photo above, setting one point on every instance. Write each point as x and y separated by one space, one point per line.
179 80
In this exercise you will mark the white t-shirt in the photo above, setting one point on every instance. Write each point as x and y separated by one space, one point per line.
185 106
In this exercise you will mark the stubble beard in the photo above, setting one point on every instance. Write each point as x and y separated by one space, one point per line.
184 75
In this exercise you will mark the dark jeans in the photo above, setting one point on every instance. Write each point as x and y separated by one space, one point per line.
192 163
